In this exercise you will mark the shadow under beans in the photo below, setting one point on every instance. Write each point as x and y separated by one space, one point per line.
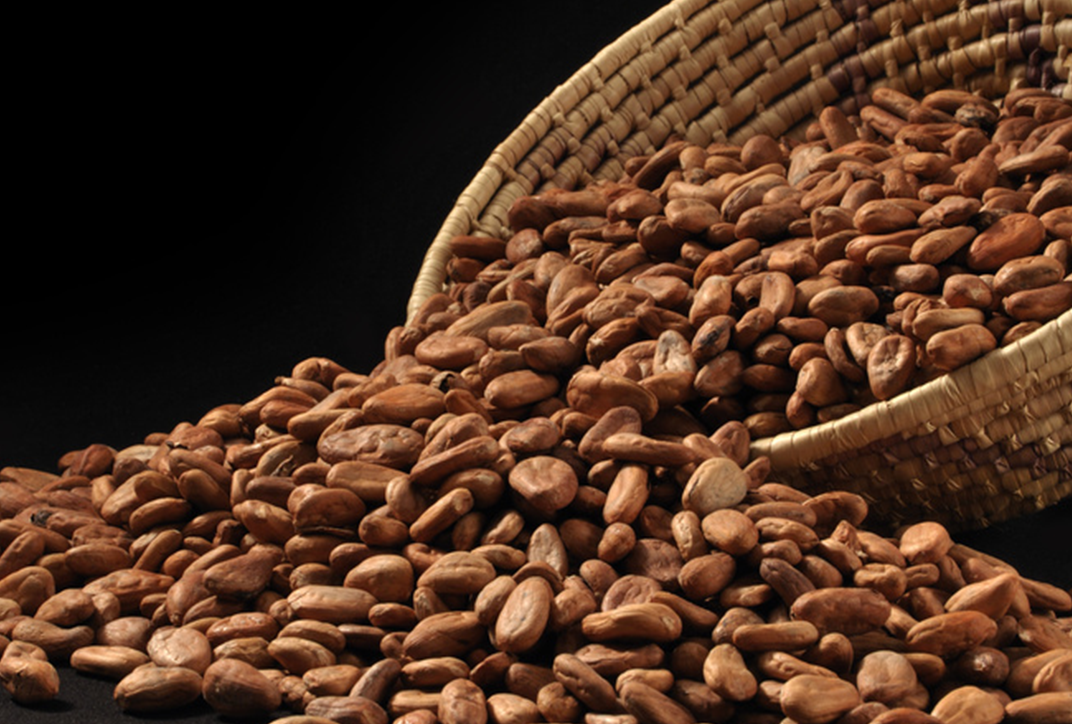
88 699
1035 545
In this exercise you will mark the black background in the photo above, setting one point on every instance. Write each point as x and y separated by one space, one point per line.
201 201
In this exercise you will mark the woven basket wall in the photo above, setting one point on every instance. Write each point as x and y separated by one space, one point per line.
987 443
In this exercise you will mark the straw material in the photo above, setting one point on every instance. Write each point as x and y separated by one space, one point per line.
988 443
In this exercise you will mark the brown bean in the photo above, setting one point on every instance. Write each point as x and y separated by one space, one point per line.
811 699
152 688
29 681
462 702
951 349
524 615
237 688
546 482
113 662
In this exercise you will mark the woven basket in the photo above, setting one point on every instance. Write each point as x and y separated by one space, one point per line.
990 442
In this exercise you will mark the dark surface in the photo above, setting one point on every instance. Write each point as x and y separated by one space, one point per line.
204 204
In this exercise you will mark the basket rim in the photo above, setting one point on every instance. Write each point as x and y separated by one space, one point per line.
914 409
487 182
498 180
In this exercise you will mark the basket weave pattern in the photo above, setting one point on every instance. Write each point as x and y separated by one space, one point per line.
989 442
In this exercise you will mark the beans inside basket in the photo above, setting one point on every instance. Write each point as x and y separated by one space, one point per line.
785 284
541 505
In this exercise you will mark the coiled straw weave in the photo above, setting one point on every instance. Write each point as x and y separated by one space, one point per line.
987 443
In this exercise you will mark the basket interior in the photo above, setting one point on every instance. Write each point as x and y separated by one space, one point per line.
724 71
729 69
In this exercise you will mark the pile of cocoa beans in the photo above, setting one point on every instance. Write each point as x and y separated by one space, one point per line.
542 507
792 283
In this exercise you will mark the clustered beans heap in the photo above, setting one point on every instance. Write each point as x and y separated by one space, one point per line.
542 507
803 281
